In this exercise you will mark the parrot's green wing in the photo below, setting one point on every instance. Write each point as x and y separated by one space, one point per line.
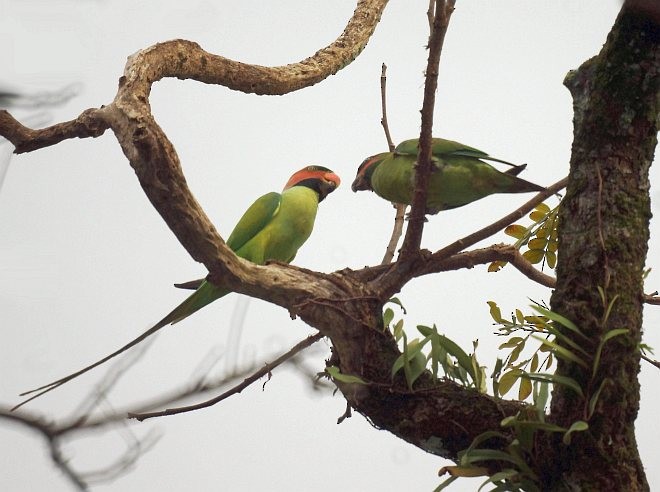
440 147
255 218
446 149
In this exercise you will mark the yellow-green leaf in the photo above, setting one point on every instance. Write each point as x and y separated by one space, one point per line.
515 230
551 257
520 317
511 342
534 255
538 216
535 363
525 388
542 207
495 312
496 266
537 243
507 381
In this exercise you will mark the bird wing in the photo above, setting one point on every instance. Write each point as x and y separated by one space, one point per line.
255 218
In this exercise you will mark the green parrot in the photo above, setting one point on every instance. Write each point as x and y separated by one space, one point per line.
274 227
459 176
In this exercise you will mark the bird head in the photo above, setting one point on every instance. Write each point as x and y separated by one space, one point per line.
320 179
363 178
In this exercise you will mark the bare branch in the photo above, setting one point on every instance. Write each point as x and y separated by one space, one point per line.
383 105
236 389
400 208
47 430
90 123
651 361
399 218
413 238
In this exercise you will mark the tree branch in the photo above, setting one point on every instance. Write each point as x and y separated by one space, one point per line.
413 238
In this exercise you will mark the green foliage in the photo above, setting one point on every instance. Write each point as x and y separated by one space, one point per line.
336 374
540 237
435 353
533 342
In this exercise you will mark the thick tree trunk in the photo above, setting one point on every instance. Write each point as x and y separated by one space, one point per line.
603 244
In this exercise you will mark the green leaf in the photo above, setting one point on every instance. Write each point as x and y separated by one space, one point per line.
533 424
498 477
425 330
555 379
562 352
559 319
608 336
395 300
335 373
594 398
445 484
578 426
397 331
609 308
541 399
412 360
463 359
388 315
489 455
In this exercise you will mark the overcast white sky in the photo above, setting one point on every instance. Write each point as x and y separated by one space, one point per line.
86 263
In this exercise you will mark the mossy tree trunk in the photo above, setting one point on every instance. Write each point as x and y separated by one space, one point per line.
603 242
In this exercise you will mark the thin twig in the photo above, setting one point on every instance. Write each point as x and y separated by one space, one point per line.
651 361
383 105
47 430
236 389
500 224
651 299
400 208
399 218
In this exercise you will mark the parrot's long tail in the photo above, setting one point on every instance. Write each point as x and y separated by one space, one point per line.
206 294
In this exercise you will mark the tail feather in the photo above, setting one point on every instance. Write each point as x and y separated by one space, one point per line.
201 297
516 170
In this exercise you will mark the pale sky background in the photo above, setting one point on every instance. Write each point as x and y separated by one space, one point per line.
87 264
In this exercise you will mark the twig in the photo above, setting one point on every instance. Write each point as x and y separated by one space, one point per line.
47 430
383 105
500 224
651 361
651 299
400 208
399 217
391 281
413 238
236 389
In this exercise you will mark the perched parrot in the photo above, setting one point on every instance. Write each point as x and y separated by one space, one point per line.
273 228
459 176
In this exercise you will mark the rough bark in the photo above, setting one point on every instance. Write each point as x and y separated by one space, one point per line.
603 237
604 231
